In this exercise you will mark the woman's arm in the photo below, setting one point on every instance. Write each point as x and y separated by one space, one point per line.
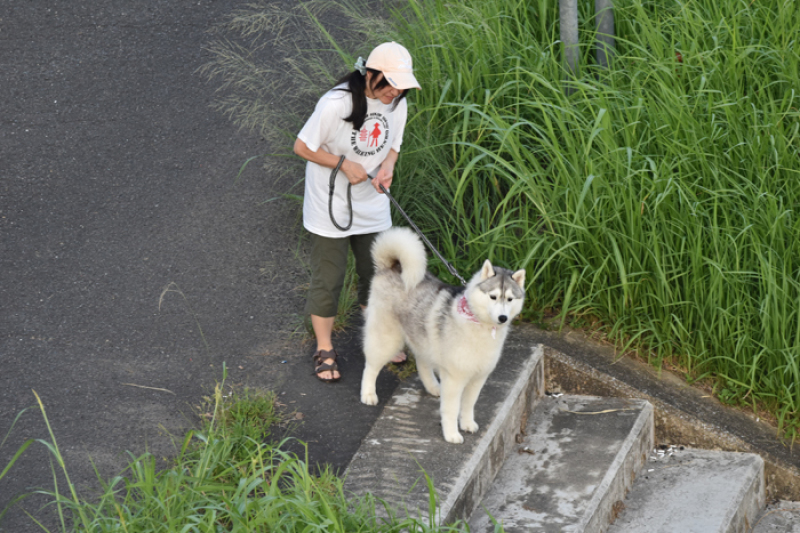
354 172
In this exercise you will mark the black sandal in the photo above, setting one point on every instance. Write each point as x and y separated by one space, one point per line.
320 366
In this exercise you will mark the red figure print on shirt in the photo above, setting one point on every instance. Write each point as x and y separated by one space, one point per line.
376 132
373 137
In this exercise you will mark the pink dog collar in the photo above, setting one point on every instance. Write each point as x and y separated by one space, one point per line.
463 309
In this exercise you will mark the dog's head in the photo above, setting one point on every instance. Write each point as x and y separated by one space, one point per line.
496 294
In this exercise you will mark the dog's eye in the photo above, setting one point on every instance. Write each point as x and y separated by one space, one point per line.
510 299
493 297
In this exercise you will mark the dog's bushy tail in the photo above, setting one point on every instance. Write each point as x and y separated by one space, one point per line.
401 245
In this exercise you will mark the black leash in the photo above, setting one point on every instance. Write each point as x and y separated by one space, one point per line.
450 267
331 186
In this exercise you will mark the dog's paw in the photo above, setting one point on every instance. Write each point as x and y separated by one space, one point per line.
434 391
369 398
455 438
470 426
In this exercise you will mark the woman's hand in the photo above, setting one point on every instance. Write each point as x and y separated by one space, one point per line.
384 177
386 172
354 172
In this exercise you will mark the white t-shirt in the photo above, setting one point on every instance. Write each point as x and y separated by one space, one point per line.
326 129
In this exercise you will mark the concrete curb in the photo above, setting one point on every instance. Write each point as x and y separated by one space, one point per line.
406 439
619 478
494 447
753 498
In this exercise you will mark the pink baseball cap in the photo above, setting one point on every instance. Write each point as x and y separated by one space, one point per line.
395 62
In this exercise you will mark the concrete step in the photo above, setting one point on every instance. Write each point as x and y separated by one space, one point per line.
694 491
406 441
779 517
577 461
578 364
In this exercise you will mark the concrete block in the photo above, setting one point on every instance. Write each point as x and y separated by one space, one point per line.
406 441
694 491
577 460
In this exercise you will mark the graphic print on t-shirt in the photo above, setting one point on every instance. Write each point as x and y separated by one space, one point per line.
371 138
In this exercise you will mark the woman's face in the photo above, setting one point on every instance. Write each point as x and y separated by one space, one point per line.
385 94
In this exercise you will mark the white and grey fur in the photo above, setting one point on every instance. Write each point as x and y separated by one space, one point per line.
408 306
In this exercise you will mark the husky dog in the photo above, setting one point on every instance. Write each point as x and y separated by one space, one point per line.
456 333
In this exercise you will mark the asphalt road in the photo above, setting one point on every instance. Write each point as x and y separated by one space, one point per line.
117 182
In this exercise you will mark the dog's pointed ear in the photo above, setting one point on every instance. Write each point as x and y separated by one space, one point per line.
487 271
519 277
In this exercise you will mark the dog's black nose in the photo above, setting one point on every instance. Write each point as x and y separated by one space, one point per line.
502 319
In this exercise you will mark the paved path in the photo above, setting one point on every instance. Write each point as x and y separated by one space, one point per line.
117 181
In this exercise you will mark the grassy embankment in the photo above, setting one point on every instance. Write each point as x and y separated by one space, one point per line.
654 204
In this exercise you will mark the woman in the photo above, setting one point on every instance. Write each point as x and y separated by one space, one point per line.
362 119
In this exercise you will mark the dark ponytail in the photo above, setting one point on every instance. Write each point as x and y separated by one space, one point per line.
357 86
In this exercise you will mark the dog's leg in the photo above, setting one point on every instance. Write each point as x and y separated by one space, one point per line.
452 389
383 338
468 400
426 375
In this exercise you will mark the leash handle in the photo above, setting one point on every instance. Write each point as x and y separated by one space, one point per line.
331 186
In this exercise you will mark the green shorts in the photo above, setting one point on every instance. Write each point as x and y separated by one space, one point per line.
328 268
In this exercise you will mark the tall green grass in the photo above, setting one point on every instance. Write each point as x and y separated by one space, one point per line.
659 197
